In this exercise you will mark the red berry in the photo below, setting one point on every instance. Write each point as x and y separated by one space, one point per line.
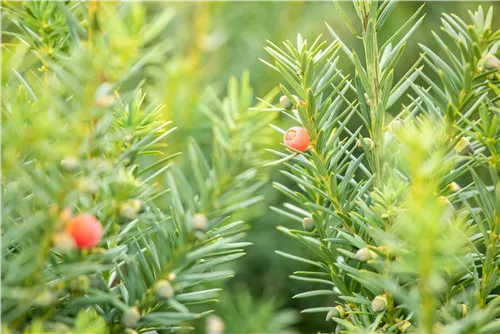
85 230
297 138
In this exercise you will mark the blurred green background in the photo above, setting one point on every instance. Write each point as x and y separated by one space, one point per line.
205 44
219 40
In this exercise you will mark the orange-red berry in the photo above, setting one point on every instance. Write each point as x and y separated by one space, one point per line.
85 230
297 138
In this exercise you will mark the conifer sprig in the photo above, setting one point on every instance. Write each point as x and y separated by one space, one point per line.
396 239
78 136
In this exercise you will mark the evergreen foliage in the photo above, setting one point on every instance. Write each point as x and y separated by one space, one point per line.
78 137
405 233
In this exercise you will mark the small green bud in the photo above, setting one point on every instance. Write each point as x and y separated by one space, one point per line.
307 224
365 142
128 212
367 99
454 187
286 103
69 164
379 303
490 62
45 298
164 289
130 209
464 147
365 254
130 317
138 205
86 185
59 286
336 312
63 242
79 283
200 222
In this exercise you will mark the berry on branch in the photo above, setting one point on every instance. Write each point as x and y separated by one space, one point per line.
297 138
85 230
